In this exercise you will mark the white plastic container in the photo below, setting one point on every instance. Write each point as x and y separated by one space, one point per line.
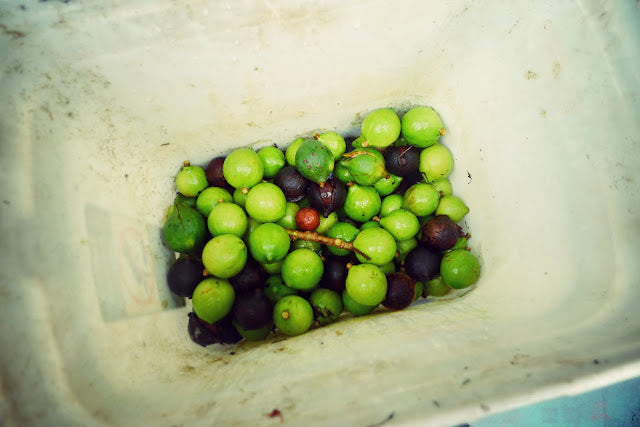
102 101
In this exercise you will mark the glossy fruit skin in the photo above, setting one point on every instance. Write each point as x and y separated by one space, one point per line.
387 184
380 128
276 289
326 304
402 161
266 202
334 142
214 173
421 199
401 223
252 276
292 315
422 264
436 162
355 308
257 334
440 233
272 160
269 243
328 197
366 165
289 218
421 126
227 218
407 181
292 150
191 180
460 269
224 256
210 197
326 223
401 291
436 287
243 168
184 275
453 207
221 332
341 172
335 273
212 299
362 203
366 284
292 183
184 230
302 269
377 243
314 160
390 204
253 310
345 232
307 219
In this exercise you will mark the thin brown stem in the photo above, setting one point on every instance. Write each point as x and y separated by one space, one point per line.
318 238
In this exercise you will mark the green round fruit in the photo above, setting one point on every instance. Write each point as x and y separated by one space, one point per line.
453 207
224 256
289 218
341 172
387 184
269 243
307 244
326 304
381 127
210 197
366 165
377 243
436 162
314 160
334 142
436 288
421 126
401 223
326 223
184 230
266 202
405 246
273 267
253 334
366 284
355 308
240 197
370 224
227 218
276 289
421 199
243 168
292 149
302 269
191 180
292 315
345 232
443 185
459 269
388 268
362 203
212 299
390 204
272 160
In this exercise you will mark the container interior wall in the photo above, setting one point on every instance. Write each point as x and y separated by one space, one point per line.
104 102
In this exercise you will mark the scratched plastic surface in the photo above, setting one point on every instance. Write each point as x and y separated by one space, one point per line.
102 102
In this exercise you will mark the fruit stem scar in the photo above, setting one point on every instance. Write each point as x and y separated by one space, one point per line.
245 190
318 238
316 135
187 163
443 131
285 314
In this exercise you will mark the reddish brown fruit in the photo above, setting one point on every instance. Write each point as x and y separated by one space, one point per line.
307 219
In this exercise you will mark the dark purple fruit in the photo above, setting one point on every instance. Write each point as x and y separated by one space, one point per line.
292 183
401 291
413 178
441 233
214 174
252 276
335 273
184 275
328 197
221 332
422 264
348 140
401 161
253 310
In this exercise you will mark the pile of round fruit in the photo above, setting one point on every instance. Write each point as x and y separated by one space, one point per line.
283 241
